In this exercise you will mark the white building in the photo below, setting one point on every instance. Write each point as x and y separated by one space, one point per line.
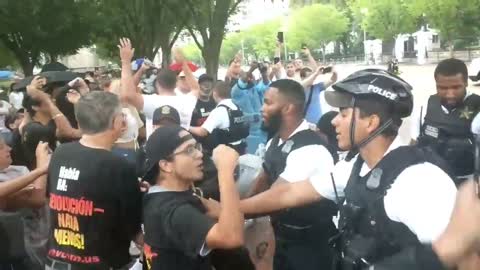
417 44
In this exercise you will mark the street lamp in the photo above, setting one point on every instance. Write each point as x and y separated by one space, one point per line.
364 12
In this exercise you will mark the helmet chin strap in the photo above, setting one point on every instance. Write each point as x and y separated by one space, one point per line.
356 147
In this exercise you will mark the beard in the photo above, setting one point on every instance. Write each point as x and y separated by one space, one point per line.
451 106
273 125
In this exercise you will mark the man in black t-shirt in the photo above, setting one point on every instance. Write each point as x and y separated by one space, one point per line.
40 128
95 199
205 103
178 233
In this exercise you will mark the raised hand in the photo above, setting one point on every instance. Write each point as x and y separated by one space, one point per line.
126 50
73 96
43 154
37 83
225 158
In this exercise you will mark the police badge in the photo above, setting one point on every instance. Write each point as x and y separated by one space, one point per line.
166 110
466 113
287 147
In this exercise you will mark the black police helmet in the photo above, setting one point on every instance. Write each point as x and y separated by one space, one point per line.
374 83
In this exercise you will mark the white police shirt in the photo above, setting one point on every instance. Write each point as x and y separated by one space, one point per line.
306 161
218 118
422 196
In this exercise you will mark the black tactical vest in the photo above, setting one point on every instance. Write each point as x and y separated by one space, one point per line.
449 134
317 215
239 130
367 234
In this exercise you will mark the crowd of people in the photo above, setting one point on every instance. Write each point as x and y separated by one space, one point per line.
139 171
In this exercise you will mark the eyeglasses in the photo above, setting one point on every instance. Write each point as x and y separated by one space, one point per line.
190 150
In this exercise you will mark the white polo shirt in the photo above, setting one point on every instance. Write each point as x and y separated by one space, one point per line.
218 117
422 197
184 104
306 161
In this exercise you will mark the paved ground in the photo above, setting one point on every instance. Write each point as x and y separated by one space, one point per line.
420 77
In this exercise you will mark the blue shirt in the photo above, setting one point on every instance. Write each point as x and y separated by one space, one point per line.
314 109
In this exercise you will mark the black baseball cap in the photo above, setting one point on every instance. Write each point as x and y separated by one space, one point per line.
166 112
160 145
205 78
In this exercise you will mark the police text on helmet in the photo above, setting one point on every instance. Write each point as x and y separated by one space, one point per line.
382 92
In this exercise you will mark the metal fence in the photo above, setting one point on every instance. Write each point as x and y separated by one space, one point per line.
432 57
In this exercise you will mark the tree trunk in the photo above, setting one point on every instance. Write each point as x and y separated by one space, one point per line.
27 67
166 56
450 49
211 55
211 63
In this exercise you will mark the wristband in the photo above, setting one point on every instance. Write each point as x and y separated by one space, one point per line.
57 115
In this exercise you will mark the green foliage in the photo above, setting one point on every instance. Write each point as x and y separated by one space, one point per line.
150 24
453 18
209 19
193 53
384 19
53 27
316 26
6 57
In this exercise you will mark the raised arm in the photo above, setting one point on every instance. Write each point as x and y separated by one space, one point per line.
128 90
280 196
311 61
228 231
311 79
35 195
64 129
192 82
333 79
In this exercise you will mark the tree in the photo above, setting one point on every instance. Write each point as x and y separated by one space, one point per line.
384 19
453 18
192 53
151 25
209 19
6 57
230 47
29 29
316 25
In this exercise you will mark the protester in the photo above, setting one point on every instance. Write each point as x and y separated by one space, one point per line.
178 233
315 104
95 199
248 95
205 103
326 130
5 109
225 124
23 232
127 145
165 85
444 122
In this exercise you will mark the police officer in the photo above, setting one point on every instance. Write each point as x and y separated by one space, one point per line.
389 203
225 124
295 152
444 122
